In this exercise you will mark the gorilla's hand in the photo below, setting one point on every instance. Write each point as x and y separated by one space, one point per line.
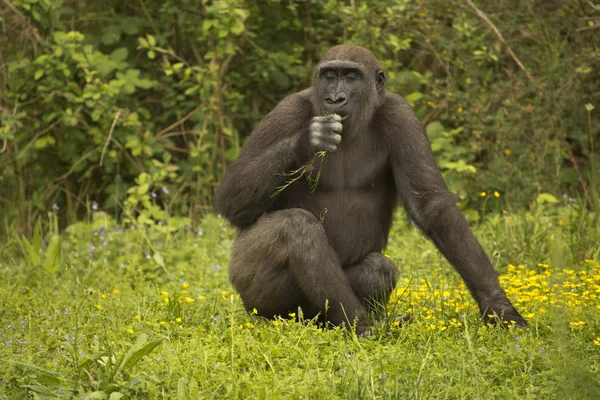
501 310
324 133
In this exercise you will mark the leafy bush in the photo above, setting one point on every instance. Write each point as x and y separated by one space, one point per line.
120 104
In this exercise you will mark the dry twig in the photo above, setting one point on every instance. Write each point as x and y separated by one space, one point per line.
484 17
110 134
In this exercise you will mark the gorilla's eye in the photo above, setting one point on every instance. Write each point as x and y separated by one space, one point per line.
351 77
330 76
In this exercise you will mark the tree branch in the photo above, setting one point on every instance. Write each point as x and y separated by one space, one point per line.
484 17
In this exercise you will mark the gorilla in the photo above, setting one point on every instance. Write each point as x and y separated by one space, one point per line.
319 247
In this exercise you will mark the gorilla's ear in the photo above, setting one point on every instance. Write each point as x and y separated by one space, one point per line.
380 80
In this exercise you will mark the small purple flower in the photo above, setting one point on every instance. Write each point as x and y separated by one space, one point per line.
153 194
55 207
383 376
94 206
165 190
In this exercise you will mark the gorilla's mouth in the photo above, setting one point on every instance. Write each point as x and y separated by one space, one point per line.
330 110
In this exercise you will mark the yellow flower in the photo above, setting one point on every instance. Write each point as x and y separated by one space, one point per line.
254 311
249 325
292 315
460 109
387 255
184 291
185 285
130 331
189 300
483 194
576 324
116 291
164 293
201 298
138 316
162 322
98 306
597 341
496 194
178 319
507 152
166 300
104 295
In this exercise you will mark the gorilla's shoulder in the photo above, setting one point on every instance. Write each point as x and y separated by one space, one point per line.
394 101
302 98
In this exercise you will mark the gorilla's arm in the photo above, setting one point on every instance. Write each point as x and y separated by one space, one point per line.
272 149
431 205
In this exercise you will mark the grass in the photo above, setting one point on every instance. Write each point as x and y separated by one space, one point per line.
108 311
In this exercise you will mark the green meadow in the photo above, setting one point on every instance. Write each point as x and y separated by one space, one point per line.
109 311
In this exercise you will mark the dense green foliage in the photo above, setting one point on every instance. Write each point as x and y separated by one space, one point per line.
101 310
121 103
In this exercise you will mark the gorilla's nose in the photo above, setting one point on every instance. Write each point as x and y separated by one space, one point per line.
338 99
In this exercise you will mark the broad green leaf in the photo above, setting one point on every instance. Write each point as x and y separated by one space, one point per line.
29 251
96 395
53 253
434 129
158 258
140 348
119 54
546 198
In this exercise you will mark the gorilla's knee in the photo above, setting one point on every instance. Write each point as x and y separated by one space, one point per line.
383 267
297 226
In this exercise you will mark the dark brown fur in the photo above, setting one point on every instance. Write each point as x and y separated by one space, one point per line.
286 257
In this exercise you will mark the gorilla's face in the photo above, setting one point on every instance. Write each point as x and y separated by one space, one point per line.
342 86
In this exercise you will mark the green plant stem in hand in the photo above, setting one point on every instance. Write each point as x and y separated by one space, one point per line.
307 169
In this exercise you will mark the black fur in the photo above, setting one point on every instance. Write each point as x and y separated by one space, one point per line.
308 249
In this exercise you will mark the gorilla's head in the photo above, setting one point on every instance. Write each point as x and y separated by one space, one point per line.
350 82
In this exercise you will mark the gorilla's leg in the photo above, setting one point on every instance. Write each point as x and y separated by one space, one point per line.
284 261
373 279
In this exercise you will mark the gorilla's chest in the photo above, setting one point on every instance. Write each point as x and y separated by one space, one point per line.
356 167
